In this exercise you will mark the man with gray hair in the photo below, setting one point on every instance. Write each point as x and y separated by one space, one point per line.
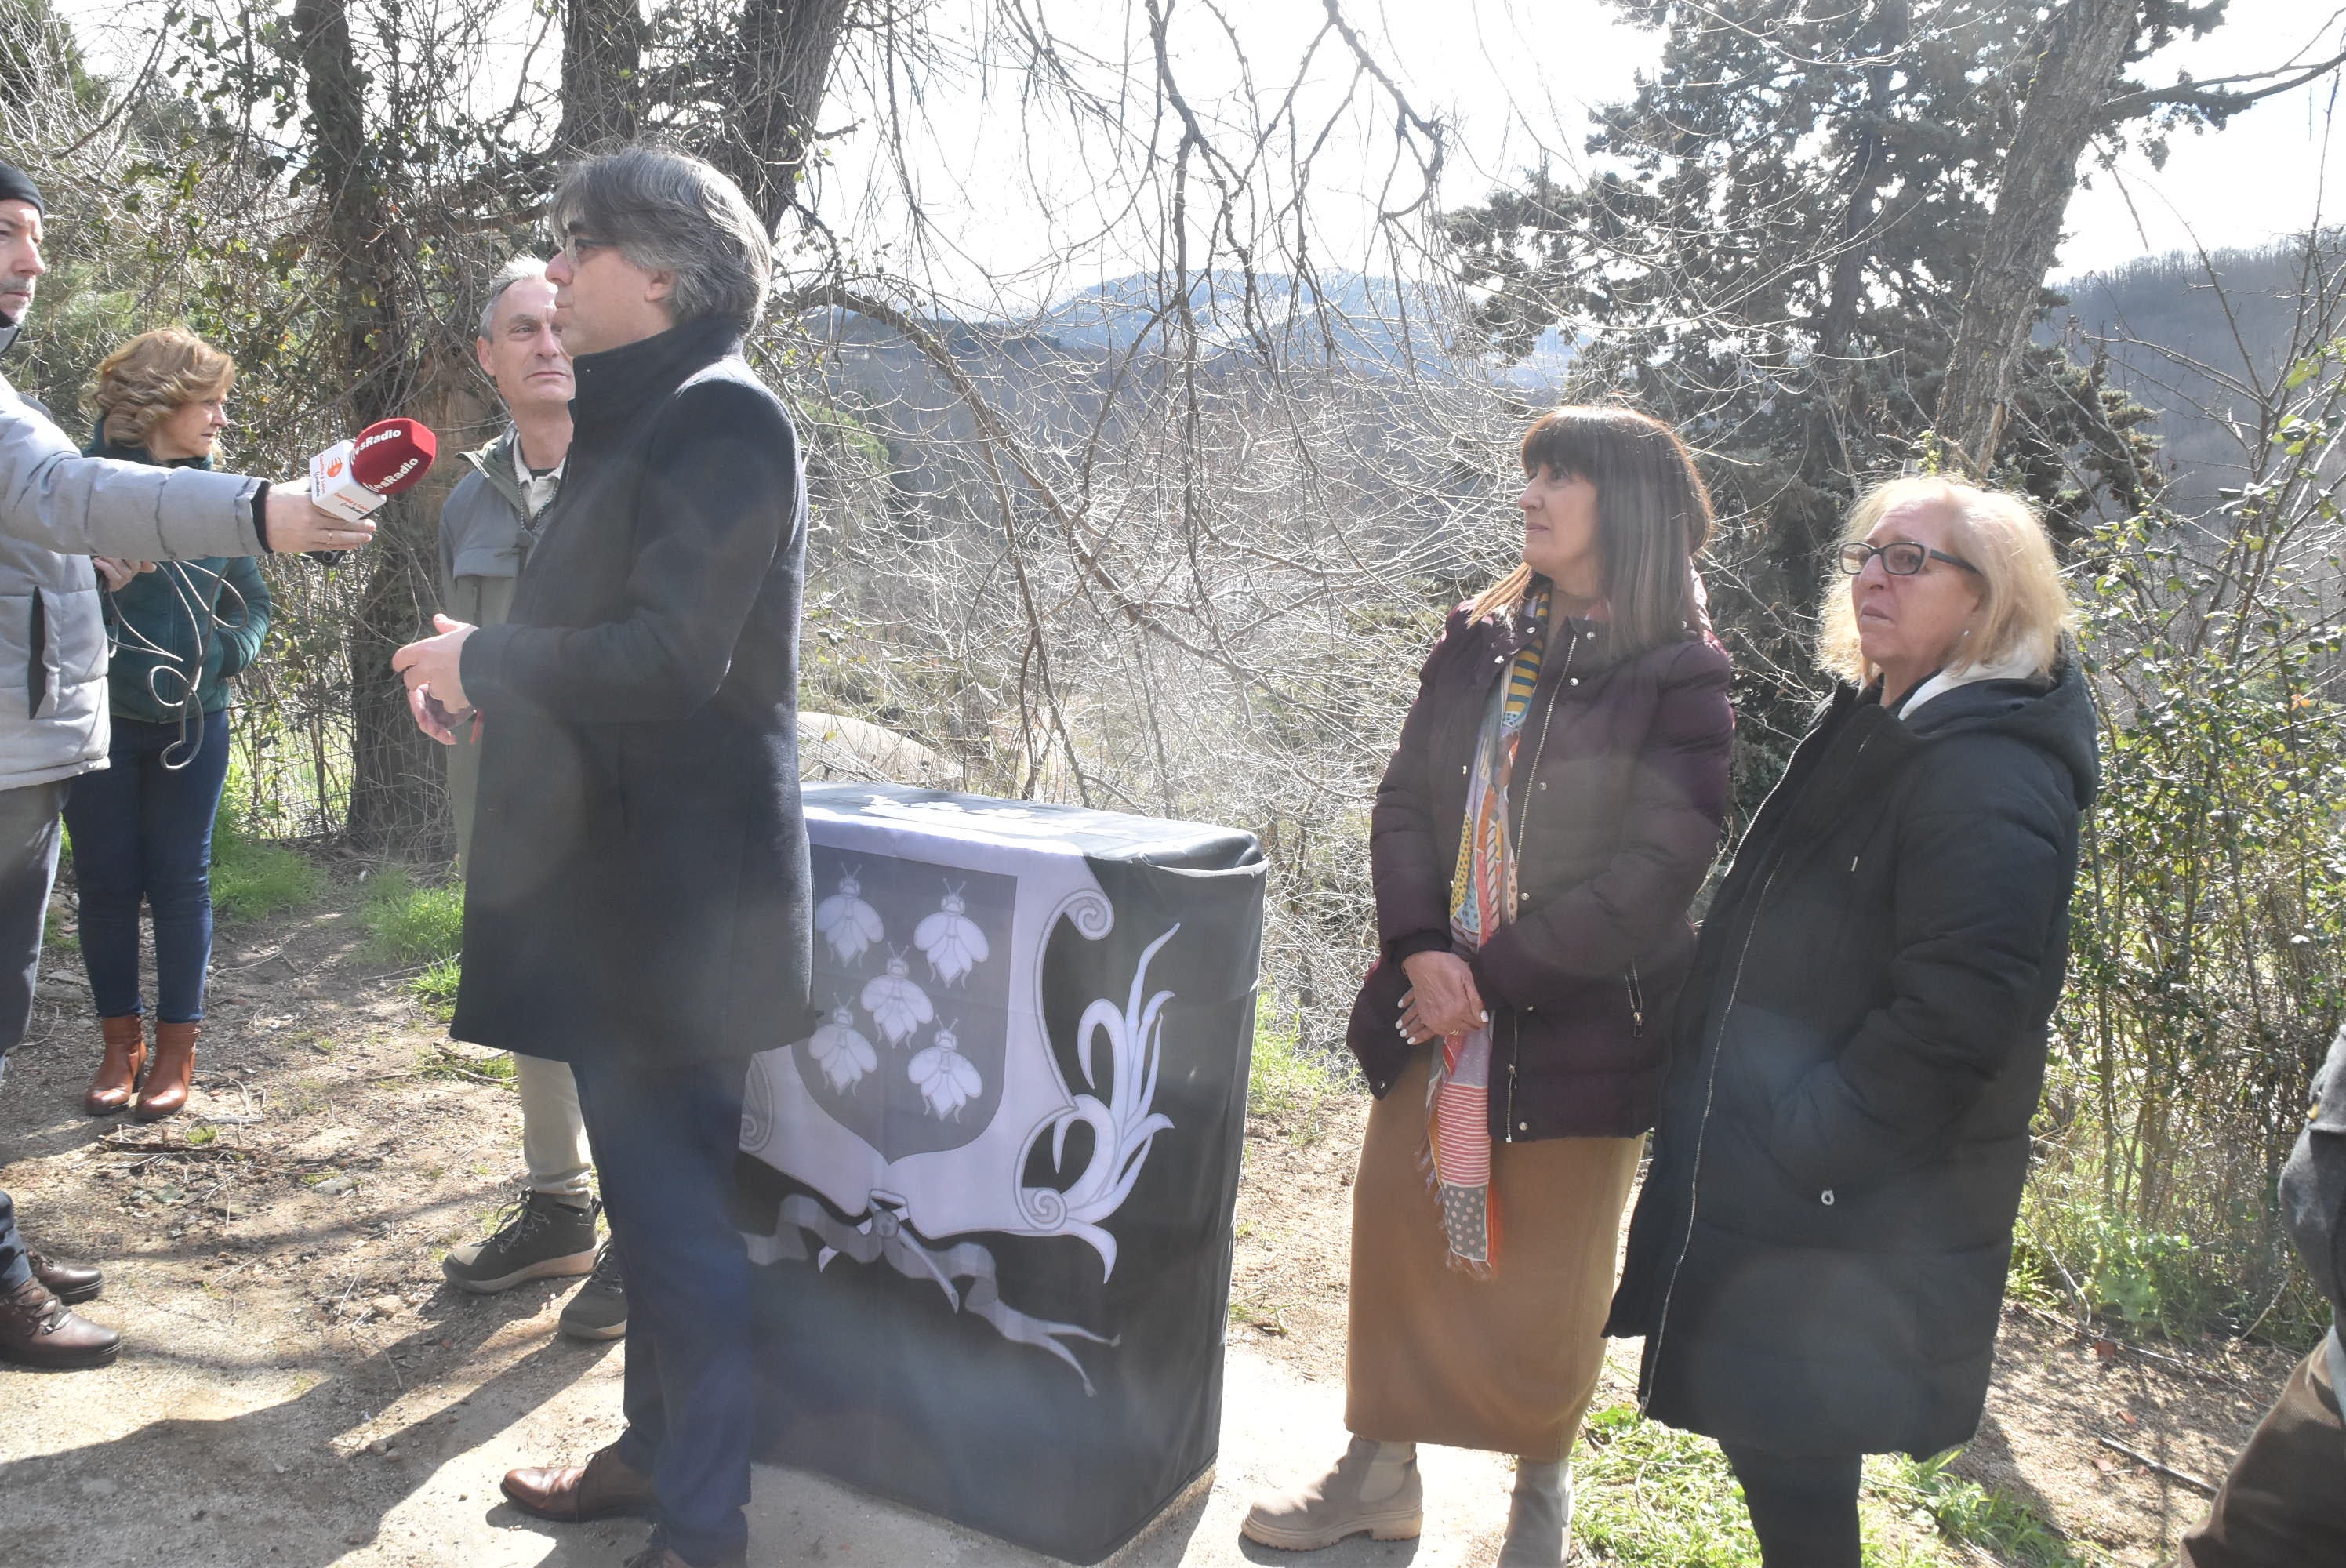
488 526
637 903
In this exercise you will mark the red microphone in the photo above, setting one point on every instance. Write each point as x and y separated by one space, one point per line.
352 478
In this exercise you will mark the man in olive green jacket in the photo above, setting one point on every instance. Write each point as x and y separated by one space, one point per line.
487 527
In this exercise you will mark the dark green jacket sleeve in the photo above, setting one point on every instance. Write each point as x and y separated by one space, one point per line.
243 618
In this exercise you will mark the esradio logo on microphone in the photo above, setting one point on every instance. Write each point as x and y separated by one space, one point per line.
396 474
387 431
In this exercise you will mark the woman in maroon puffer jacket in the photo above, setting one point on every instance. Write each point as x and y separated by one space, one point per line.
1544 822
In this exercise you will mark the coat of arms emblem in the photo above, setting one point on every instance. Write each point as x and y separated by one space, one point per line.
929 1106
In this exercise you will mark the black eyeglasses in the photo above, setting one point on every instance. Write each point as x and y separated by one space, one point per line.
1900 557
576 246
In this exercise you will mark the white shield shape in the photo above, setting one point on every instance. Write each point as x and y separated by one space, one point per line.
918 1108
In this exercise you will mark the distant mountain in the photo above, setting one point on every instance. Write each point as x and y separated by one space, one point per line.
1361 318
2180 333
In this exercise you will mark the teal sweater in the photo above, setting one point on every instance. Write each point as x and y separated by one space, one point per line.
203 619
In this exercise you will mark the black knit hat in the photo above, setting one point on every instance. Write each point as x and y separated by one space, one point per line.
15 184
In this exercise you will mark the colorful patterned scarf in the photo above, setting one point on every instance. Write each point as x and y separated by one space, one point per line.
1482 900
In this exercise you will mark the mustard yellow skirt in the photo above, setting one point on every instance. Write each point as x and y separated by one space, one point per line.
1507 1363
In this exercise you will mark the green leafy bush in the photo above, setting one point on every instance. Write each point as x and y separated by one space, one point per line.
2209 917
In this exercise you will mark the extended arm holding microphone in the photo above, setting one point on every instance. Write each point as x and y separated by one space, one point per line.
52 496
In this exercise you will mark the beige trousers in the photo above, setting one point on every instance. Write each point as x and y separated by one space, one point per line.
1507 1363
553 1135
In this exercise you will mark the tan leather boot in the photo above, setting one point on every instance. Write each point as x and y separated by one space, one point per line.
117 1069
1373 1487
174 1070
1539 1516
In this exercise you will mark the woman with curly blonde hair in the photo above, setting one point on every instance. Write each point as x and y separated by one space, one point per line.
142 826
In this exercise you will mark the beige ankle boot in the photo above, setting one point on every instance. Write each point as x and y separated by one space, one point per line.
1373 1487
1539 1516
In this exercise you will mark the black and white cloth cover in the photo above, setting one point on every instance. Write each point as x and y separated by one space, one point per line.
990 1199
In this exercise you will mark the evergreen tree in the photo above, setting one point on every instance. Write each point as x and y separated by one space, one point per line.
1772 252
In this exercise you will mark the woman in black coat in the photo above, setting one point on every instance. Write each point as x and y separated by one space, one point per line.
1550 810
1817 1258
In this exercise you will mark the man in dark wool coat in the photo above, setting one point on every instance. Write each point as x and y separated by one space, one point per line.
637 904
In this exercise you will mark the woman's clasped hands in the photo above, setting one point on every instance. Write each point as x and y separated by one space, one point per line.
1442 999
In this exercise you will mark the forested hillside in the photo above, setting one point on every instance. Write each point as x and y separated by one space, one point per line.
2201 339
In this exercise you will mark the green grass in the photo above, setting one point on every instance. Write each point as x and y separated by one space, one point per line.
253 878
1287 1084
1649 1495
443 1061
409 924
1973 1515
436 986
1655 1498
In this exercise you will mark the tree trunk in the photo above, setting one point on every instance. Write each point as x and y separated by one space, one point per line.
2085 48
779 71
397 801
602 74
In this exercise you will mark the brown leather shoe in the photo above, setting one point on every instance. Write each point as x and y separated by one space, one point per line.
604 1486
37 1329
174 1071
117 1069
68 1282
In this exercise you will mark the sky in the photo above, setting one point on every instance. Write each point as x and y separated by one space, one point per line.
1519 78
1514 77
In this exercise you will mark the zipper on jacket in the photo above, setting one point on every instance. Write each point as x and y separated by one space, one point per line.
1710 1093
1507 1118
1520 804
1636 1005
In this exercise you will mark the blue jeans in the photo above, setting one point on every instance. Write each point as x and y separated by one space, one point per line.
665 1139
28 865
143 830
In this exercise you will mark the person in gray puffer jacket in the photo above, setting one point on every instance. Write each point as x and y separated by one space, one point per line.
57 509
2285 1502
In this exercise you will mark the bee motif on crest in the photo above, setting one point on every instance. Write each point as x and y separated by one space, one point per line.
847 922
840 1050
947 1079
896 1004
950 939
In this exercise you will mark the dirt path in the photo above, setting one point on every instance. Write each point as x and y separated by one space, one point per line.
301 1389
2056 1390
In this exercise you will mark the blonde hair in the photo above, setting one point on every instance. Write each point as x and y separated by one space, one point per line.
152 377
2023 605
